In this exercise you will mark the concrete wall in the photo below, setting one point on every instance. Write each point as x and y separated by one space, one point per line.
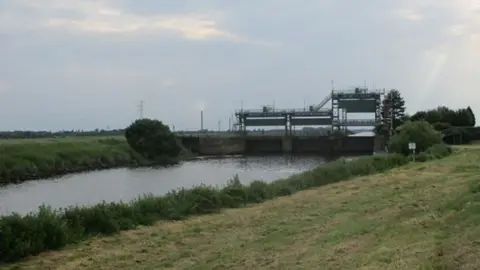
191 143
264 145
221 146
358 145
277 145
310 145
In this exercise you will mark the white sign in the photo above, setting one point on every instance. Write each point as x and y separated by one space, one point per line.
412 146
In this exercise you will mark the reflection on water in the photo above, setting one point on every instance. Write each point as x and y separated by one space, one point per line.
127 184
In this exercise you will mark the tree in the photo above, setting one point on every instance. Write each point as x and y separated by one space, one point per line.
152 139
441 126
442 114
419 132
393 108
472 116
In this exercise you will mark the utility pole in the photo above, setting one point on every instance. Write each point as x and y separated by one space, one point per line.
391 115
219 123
140 108
201 120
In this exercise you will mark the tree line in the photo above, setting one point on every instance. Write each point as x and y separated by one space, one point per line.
451 122
19 134
456 125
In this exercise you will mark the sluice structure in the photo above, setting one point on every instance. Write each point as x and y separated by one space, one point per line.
342 103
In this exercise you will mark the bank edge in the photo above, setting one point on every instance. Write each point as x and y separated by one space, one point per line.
28 160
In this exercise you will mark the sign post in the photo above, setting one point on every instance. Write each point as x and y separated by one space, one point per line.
412 147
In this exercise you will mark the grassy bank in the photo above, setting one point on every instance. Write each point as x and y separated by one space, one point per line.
49 230
419 216
22 160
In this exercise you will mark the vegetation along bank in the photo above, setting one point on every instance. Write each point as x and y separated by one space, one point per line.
417 216
49 229
22 160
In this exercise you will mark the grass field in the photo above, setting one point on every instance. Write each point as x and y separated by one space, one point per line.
60 139
179 133
27 159
420 216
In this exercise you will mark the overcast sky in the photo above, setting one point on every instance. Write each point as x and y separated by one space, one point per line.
83 64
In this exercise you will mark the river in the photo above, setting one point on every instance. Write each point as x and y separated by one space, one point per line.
127 184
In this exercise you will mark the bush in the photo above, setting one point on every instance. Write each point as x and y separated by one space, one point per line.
436 151
152 139
420 132
49 229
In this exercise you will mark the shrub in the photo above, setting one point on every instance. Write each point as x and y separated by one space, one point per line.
152 139
435 152
420 132
49 229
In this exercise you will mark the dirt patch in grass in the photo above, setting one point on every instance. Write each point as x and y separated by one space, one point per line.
393 220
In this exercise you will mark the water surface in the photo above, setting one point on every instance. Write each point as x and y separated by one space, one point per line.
127 184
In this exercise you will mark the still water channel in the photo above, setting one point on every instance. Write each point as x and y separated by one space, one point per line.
127 184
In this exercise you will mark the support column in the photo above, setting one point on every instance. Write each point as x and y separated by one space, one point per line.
244 126
378 109
335 113
290 124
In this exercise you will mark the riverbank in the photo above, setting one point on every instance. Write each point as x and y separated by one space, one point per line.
418 215
22 160
48 229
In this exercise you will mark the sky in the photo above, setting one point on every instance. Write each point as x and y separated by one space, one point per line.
85 64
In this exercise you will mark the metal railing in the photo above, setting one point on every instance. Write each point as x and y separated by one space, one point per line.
276 111
323 103
355 122
360 91
253 133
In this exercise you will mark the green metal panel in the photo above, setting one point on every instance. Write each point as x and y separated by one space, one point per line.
313 114
311 121
265 122
358 106
261 114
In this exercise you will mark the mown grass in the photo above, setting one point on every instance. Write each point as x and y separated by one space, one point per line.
22 160
418 216
49 230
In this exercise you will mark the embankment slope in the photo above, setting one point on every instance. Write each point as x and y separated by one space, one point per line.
420 215
28 159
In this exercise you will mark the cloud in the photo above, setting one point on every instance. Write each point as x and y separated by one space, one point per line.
410 14
167 83
85 63
106 17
